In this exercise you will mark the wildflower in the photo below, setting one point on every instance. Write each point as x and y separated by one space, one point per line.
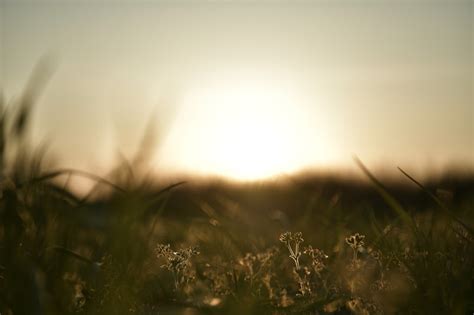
317 257
293 240
176 261
356 242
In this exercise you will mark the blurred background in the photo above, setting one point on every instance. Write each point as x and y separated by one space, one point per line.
248 89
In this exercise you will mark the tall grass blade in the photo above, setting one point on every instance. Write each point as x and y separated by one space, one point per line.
389 199
441 205
70 253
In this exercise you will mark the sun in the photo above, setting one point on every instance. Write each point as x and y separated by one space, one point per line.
244 130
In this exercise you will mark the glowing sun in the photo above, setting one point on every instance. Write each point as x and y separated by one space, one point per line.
243 130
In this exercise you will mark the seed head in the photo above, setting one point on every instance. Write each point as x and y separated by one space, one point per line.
355 241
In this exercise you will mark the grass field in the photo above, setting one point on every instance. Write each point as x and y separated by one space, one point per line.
305 245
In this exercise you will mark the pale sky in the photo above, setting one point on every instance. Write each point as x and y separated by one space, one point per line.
255 88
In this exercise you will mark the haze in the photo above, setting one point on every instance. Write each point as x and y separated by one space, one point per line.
249 89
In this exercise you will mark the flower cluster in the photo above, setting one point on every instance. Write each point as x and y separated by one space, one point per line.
356 241
176 261
318 257
259 270
288 237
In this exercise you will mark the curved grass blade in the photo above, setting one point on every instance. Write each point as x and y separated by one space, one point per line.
160 210
65 195
57 173
442 206
75 255
389 199
162 191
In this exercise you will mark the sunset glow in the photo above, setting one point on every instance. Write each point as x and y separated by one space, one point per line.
248 90
246 129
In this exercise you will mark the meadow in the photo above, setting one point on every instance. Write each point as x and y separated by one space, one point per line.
309 244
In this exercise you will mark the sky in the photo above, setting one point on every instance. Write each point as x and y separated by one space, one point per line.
248 89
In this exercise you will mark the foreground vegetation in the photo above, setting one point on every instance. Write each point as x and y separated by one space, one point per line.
306 245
